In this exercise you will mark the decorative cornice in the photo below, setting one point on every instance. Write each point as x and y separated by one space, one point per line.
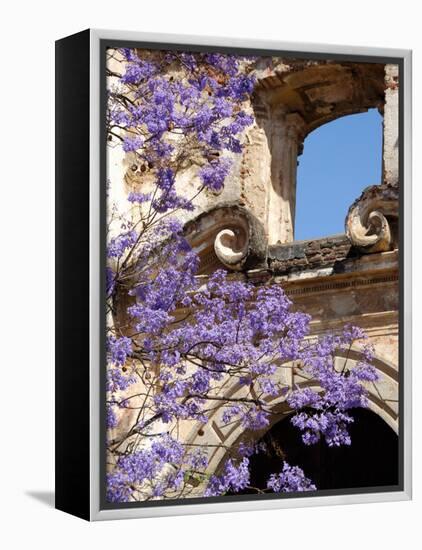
350 283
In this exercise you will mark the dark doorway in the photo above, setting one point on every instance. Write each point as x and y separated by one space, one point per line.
370 461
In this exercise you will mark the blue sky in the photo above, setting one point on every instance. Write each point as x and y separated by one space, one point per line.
339 160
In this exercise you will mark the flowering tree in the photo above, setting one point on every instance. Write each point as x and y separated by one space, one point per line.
182 341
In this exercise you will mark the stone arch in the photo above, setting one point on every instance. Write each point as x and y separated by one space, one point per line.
291 100
321 91
382 400
362 464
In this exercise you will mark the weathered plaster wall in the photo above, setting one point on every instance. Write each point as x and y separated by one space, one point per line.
248 228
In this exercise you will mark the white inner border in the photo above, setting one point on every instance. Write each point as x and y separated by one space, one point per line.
406 430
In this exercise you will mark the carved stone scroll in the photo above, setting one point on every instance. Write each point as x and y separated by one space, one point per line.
231 245
227 236
369 220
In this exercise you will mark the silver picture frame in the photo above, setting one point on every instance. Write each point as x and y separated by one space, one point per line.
96 511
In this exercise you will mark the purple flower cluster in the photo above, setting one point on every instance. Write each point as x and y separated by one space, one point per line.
111 418
117 246
137 70
332 425
132 143
139 197
290 480
204 105
248 448
323 412
213 174
155 470
118 349
250 416
226 332
117 380
234 478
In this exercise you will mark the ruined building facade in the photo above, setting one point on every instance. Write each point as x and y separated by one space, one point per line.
248 228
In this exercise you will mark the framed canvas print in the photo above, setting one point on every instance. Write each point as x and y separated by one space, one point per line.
233 275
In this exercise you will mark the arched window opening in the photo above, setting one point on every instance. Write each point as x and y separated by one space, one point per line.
340 159
370 461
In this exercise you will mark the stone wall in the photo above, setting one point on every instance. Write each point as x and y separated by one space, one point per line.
248 228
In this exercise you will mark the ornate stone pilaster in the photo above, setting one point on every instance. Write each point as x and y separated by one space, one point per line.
287 134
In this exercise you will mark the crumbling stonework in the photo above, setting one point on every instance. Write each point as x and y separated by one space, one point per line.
349 278
249 227
312 254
